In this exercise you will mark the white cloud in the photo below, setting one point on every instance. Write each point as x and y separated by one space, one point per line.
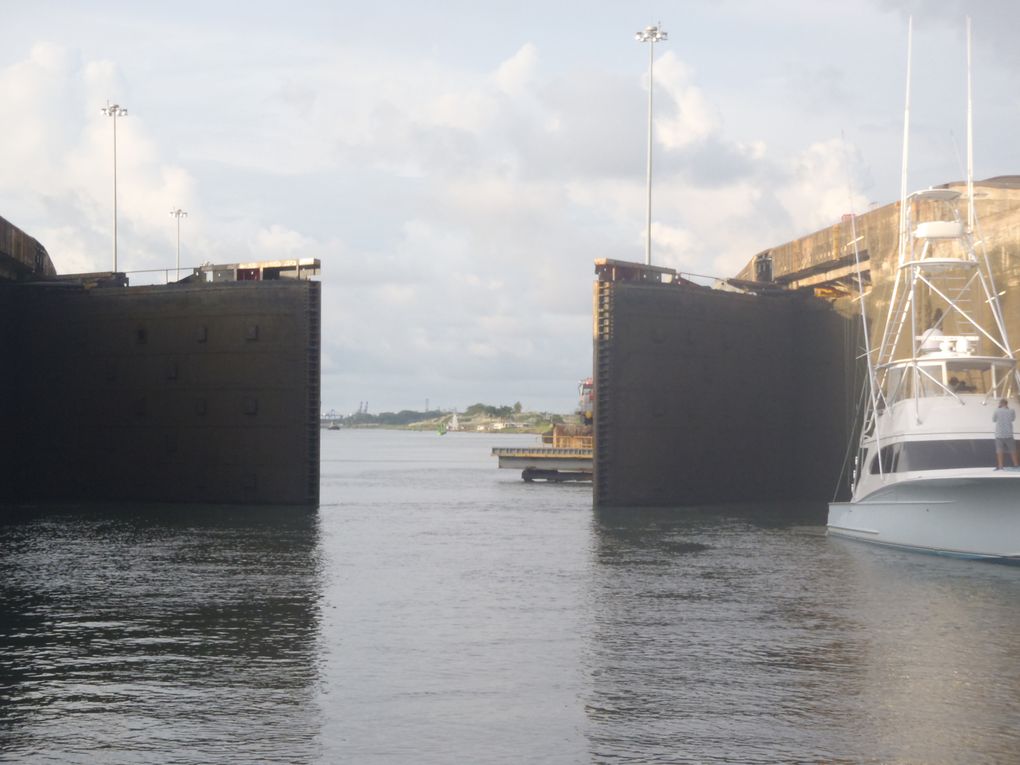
278 242
818 192
67 241
456 189
693 118
398 294
518 74
60 157
675 247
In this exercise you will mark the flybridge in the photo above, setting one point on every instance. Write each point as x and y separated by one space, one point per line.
961 346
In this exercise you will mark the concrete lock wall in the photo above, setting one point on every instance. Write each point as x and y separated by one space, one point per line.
997 235
181 393
705 396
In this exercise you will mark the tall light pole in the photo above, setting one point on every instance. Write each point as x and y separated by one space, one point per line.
178 213
650 35
115 111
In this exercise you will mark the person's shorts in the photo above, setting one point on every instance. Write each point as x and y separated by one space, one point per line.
1004 445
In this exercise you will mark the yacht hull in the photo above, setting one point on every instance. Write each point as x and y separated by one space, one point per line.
977 518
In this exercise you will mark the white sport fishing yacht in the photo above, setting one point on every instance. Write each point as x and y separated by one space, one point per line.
926 476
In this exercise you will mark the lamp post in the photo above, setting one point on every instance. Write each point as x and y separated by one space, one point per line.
650 35
115 111
178 213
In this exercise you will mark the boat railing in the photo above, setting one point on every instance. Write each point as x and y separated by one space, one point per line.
935 375
540 451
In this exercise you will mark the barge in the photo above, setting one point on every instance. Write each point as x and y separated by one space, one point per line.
567 457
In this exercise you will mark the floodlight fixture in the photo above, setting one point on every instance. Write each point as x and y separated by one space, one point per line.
652 34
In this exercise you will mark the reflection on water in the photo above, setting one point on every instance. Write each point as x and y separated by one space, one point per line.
733 635
437 610
159 634
938 653
455 617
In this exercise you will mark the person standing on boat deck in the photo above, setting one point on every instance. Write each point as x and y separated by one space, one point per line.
1003 418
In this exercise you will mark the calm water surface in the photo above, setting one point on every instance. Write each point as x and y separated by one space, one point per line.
438 610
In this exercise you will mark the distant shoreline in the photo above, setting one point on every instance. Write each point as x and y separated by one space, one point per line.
431 429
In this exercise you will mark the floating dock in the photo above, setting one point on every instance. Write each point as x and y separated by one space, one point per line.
566 455
547 462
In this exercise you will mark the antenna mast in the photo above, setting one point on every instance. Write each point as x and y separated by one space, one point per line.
906 145
887 345
970 138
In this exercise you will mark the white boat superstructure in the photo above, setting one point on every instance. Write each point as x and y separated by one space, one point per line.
926 475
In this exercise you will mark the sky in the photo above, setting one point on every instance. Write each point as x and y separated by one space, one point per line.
458 166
